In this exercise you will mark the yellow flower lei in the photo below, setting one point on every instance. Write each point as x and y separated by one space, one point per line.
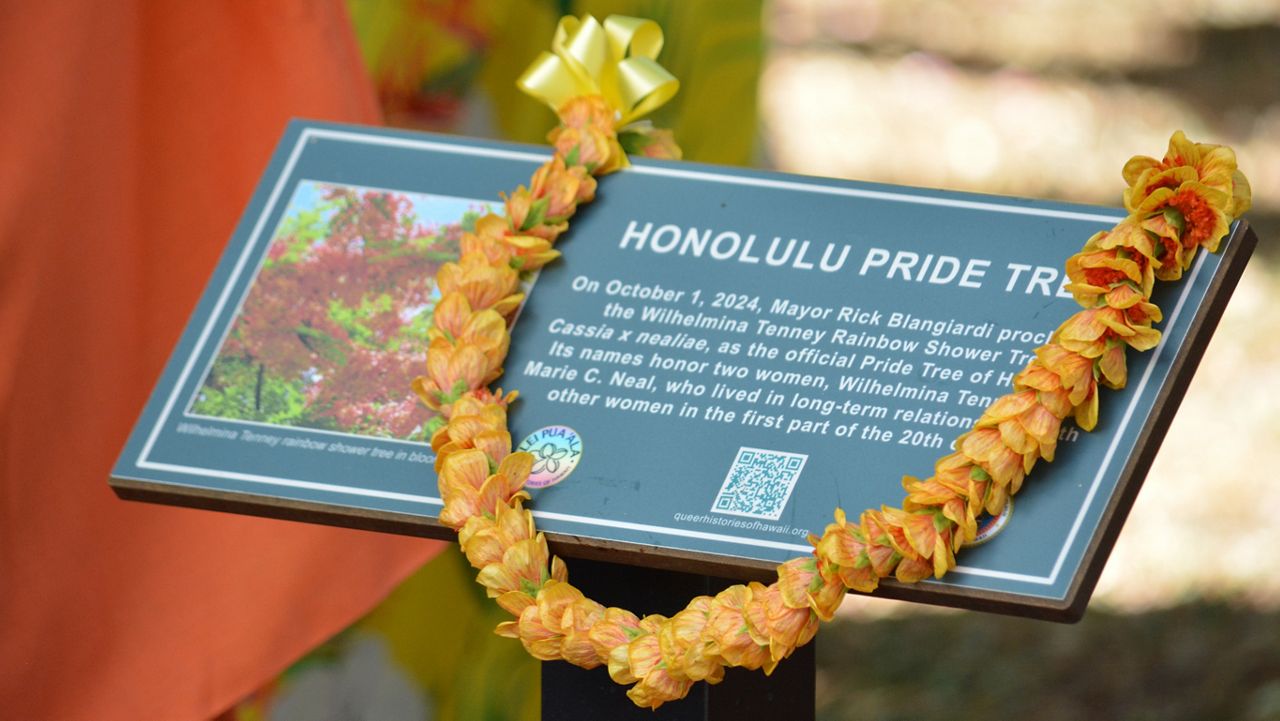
1176 205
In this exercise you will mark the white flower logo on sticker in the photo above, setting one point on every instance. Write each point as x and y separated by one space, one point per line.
556 451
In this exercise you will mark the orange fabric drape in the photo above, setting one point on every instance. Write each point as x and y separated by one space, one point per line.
131 135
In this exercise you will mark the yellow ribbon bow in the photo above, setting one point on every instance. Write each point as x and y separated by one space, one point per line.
616 61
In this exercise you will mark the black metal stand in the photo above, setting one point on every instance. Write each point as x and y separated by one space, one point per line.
572 694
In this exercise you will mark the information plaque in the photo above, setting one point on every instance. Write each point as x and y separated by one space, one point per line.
721 359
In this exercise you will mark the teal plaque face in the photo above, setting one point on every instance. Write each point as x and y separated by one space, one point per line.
721 359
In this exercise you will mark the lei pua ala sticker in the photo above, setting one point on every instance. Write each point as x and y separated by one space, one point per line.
556 451
990 526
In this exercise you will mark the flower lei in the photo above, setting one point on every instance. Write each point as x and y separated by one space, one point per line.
1176 205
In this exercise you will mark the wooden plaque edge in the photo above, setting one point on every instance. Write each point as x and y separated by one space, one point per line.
1241 244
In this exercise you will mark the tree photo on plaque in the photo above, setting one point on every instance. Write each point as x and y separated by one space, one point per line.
340 303
733 373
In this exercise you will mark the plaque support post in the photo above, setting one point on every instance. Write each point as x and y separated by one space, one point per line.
572 694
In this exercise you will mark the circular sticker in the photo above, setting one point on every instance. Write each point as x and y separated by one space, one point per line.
990 526
556 451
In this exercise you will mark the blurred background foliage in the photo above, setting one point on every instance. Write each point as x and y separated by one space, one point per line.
1039 98
451 65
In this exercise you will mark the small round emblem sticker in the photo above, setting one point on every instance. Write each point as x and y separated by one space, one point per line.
990 526
556 451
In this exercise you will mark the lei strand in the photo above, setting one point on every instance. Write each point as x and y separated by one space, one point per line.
1176 205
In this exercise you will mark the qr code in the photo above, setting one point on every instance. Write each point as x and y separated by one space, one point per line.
759 483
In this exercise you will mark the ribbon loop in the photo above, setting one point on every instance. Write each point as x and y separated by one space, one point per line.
616 60
633 36
643 87
581 43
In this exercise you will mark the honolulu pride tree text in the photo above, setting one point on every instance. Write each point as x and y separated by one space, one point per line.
902 265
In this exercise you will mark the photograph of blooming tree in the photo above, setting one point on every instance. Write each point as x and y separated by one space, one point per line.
337 312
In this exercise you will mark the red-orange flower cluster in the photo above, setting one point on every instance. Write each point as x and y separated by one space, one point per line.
1186 200
1177 205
